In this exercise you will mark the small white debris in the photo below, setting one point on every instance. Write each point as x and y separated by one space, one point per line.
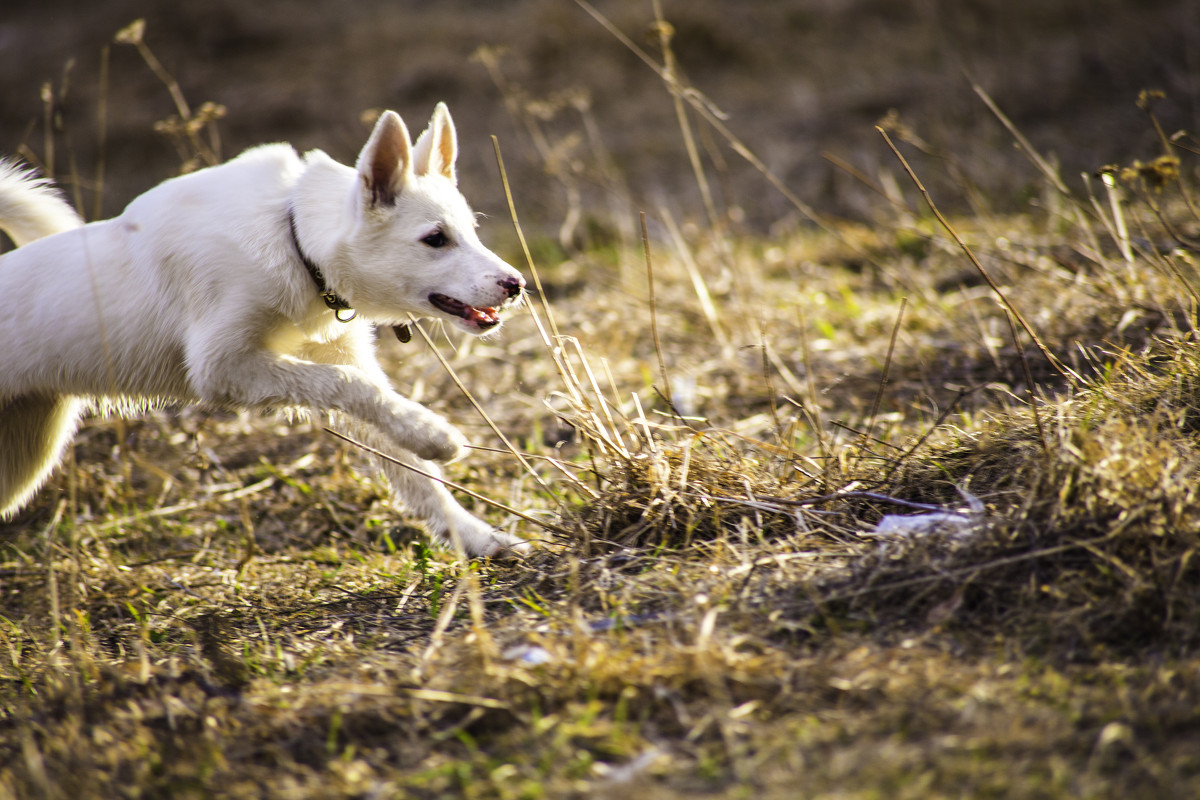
956 524
628 772
528 654
895 525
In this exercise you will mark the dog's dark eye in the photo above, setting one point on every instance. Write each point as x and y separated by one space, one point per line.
436 239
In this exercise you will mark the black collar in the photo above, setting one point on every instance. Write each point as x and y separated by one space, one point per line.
335 302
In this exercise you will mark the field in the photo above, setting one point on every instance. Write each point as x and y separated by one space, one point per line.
865 476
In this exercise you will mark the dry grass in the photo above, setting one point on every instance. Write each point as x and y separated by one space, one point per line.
712 426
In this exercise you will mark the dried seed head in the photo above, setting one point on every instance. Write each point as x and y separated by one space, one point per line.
131 33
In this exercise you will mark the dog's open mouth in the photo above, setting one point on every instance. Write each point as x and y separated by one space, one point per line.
485 317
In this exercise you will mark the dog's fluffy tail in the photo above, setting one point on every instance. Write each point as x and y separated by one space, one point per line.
30 207
34 429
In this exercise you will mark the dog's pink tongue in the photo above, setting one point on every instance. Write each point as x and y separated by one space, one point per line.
485 316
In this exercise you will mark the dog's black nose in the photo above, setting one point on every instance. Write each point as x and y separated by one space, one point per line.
512 286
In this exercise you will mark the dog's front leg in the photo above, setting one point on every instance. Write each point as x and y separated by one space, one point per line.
428 499
263 380
383 419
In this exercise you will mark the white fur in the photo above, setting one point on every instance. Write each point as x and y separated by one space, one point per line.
197 294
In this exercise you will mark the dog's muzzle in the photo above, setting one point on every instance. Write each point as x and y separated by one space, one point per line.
482 317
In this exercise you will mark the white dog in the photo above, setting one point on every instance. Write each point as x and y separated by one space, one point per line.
254 285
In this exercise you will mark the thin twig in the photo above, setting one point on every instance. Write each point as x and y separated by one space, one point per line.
698 284
662 364
537 280
883 379
538 456
865 180
612 437
855 495
937 423
1030 388
670 75
770 384
706 109
1043 166
862 433
812 409
1054 362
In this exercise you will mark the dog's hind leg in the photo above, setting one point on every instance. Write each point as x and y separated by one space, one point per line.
34 431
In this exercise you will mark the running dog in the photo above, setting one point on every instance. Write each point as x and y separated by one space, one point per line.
255 284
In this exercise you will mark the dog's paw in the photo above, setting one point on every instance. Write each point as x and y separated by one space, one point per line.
480 540
505 547
443 442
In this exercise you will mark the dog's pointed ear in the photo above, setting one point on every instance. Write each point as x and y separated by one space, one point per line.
386 162
437 147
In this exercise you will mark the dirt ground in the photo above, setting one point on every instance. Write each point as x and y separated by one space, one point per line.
797 78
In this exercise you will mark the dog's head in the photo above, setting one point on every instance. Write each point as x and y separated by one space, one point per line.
415 249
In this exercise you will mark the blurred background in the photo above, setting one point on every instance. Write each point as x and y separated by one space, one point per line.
588 131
